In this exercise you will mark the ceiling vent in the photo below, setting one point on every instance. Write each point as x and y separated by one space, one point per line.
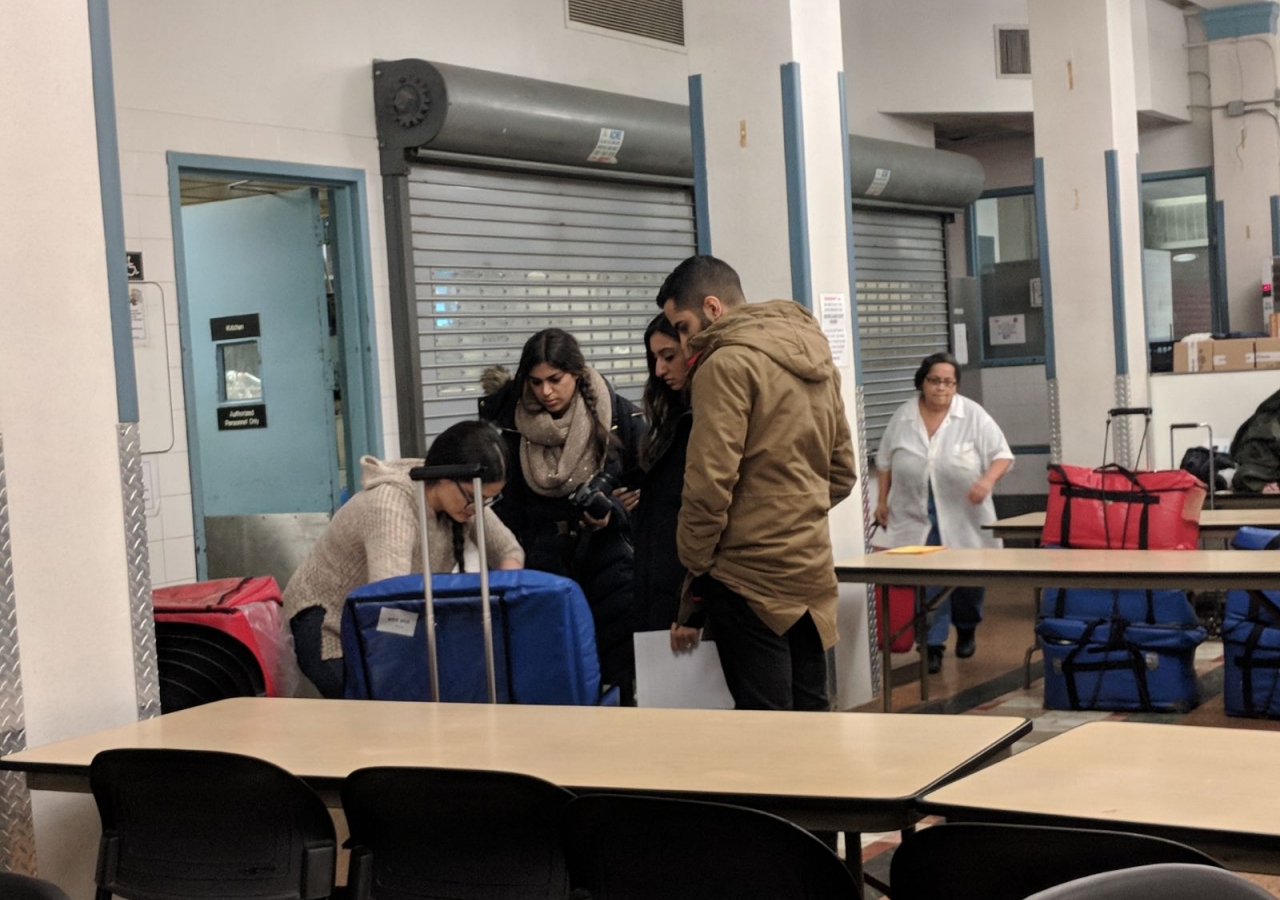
1013 51
658 20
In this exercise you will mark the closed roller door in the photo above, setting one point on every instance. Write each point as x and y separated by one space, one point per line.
902 306
498 256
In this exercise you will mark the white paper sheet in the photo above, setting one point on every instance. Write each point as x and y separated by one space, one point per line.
670 680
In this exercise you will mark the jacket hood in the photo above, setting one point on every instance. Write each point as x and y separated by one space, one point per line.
494 379
375 472
783 330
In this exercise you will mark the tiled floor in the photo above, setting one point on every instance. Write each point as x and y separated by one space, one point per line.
991 683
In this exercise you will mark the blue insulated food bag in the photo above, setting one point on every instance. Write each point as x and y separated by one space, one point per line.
1119 650
544 640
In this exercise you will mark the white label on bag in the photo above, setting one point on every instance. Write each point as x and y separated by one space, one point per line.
397 621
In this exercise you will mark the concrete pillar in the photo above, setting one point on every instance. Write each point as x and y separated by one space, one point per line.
766 92
1246 150
1086 138
63 574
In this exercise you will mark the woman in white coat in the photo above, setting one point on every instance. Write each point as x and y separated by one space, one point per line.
939 459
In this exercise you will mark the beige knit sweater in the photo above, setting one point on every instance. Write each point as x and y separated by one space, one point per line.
374 536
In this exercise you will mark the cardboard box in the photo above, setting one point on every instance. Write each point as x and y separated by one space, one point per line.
1233 356
1266 353
1275 324
1194 357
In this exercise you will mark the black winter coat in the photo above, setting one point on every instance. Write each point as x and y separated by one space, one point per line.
659 574
1256 448
600 561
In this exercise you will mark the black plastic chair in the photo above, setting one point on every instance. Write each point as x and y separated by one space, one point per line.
646 848
1171 881
467 835
24 887
191 824
963 861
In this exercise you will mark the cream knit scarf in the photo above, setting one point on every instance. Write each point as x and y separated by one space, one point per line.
558 454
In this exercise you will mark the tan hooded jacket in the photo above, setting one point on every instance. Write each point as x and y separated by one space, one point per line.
769 455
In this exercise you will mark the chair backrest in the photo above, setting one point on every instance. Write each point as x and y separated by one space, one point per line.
457 833
1167 881
24 887
638 848
963 861
184 824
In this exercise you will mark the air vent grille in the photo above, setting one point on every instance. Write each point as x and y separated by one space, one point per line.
1013 48
659 20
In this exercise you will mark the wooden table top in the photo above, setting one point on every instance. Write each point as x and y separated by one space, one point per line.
1043 567
1213 522
846 759
1147 777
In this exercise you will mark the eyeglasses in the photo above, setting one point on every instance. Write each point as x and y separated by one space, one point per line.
944 382
470 499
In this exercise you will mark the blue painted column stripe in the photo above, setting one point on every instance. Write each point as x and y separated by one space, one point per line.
104 113
797 205
848 227
1118 322
1046 282
1275 225
1142 261
698 137
1221 318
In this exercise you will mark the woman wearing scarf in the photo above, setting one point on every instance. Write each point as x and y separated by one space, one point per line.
564 427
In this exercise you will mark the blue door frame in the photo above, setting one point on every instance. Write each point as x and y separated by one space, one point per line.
353 287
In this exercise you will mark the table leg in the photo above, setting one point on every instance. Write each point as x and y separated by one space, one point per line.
886 656
922 638
1037 595
853 859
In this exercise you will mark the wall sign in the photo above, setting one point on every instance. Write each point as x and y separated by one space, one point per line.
133 264
238 418
230 328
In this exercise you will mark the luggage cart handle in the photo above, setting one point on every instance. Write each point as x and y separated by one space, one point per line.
455 472
1129 411
1213 479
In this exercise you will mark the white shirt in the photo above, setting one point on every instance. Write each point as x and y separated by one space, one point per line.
962 449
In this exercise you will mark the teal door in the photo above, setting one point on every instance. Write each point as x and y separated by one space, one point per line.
263 385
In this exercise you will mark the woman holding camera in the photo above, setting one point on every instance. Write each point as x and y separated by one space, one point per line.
571 439
659 574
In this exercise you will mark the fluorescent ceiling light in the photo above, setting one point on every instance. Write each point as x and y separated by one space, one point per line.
1183 257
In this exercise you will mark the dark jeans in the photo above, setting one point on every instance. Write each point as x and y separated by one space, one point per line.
326 674
764 670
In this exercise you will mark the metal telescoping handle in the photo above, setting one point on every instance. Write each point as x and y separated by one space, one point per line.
1115 412
486 614
428 602
1213 475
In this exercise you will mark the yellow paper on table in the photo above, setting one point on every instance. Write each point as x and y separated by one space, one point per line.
917 549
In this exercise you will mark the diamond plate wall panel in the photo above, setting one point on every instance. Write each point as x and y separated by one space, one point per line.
17 836
873 614
145 672
1055 423
1122 427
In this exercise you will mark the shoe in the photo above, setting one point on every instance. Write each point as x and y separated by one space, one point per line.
935 659
966 642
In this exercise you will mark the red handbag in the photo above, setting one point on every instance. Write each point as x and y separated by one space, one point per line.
1115 508
902 603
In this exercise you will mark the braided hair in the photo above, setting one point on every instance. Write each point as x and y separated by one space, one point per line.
559 349
469 442
662 405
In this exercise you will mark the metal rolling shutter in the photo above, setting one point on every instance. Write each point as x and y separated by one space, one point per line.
499 256
902 306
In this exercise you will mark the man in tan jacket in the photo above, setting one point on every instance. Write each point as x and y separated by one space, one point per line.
769 455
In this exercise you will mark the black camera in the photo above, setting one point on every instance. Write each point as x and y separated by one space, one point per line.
594 497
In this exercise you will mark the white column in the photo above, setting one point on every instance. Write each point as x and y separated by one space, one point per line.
777 203
58 413
1246 149
1084 105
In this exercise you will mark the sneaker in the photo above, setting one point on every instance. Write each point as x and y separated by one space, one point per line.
935 658
966 642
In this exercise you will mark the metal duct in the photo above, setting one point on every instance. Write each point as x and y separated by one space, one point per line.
472 112
454 109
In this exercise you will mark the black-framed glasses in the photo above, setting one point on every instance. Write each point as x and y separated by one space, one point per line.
944 382
486 502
